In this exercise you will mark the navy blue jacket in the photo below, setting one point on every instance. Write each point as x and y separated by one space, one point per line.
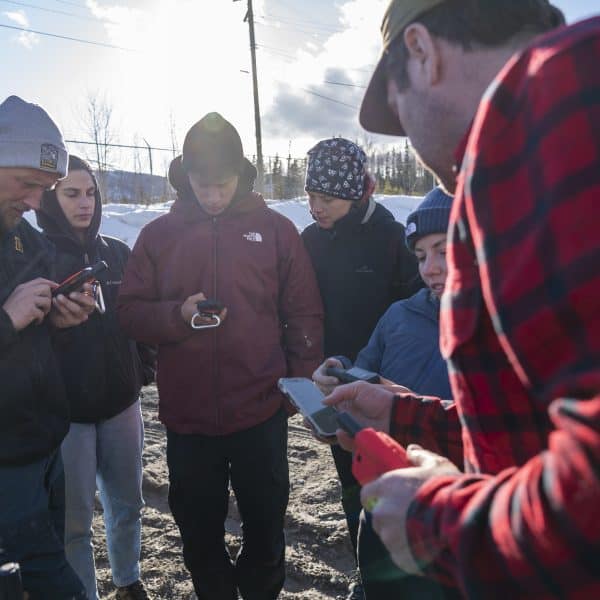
362 266
405 346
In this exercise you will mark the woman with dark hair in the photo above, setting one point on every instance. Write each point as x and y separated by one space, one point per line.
103 372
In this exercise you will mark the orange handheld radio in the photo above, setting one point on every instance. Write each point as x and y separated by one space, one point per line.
375 452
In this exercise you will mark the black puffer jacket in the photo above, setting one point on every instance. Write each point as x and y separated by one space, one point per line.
362 266
34 415
102 368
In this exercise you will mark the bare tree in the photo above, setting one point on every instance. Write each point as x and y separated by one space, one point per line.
173 133
99 126
137 169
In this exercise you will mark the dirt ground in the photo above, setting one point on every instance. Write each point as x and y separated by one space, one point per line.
319 559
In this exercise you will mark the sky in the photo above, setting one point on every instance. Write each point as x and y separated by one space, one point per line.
160 65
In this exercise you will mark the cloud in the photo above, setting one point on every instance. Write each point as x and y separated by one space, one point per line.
310 100
115 17
19 17
25 38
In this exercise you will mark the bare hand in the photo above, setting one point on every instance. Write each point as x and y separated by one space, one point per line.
390 496
395 388
189 308
74 310
325 382
369 404
29 302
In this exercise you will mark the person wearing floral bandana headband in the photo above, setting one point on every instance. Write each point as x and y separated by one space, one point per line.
362 264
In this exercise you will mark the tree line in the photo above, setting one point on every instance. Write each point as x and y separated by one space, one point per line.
396 171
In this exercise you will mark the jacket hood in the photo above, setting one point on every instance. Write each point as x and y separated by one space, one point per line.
425 304
180 182
51 219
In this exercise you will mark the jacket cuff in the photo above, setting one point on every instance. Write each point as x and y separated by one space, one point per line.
425 528
404 420
8 334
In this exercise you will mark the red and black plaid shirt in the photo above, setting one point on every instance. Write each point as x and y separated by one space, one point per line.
521 331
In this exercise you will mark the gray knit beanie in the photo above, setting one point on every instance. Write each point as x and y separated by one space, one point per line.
29 138
431 216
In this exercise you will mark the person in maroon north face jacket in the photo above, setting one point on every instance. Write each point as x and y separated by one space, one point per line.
225 418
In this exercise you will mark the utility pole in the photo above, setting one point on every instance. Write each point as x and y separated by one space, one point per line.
288 182
259 155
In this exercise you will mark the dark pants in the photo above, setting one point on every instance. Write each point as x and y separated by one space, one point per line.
350 492
383 580
200 468
32 513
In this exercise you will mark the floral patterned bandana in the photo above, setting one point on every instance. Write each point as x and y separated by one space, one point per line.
336 167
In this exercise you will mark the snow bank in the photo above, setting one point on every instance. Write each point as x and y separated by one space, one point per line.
124 221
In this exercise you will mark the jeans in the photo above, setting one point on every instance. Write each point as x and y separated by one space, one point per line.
107 454
200 469
32 528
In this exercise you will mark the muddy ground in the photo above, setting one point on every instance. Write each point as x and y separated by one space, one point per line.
319 559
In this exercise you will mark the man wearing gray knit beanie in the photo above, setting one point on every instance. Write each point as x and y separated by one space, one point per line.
35 415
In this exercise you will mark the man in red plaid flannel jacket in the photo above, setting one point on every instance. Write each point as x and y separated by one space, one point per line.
521 312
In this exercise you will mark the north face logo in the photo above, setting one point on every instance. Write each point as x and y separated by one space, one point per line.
253 236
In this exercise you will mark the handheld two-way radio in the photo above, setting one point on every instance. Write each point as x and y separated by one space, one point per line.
375 452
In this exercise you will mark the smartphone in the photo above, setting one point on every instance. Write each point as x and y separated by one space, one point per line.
353 374
75 282
308 399
209 307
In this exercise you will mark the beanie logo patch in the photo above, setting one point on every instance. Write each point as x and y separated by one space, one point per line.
49 157
411 228
253 236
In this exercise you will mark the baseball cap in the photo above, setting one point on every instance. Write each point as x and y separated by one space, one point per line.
375 114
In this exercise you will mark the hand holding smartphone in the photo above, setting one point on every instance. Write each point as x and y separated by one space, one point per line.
353 374
75 282
307 398
210 310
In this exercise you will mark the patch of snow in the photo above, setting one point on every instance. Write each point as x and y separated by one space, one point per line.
124 221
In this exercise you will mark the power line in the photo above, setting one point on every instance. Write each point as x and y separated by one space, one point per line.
51 10
354 85
285 28
330 99
332 83
293 8
289 26
276 52
118 145
64 37
304 23
283 53
72 3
